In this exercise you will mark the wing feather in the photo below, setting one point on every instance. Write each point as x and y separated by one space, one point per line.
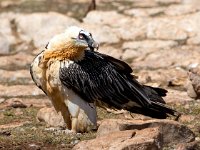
95 77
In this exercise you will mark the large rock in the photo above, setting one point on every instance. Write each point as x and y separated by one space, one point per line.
190 24
39 28
175 96
132 31
165 77
140 49
51 117
125 28
147 12
175 10
4 45
149 44
102 34
6 36
117 134
120 140
168 2
172 132
168 57
20 91
104 18
145 3
27 102
109 50
165 29
19 76
19 61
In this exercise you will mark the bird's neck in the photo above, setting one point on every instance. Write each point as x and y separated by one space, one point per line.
73 54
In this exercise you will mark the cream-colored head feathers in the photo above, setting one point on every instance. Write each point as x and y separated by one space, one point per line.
66 46
58 40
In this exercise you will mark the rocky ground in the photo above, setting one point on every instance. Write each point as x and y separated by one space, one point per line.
160 39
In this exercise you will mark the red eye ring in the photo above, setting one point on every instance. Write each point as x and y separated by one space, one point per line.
80 36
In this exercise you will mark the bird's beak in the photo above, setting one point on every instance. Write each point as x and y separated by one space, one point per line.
92 44
95 45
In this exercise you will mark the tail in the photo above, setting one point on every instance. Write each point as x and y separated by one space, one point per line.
157 108
155 94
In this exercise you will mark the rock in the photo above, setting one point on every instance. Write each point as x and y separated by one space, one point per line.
6 36
1 116
4 45
51 117
194 82
102 34
175 96
129 55
168 2
12 125
138 12
18 76
7 75
2 100
190 89
135 32
170 58
194 40
103 18
99 20
109 50
25 102
165 29
175 10
17 104
189 146
30 102
171 132
149 44
20 91
190 24
39 28
164 77
129 139
186 118
145 4
34 147
7 4
20 60
18 112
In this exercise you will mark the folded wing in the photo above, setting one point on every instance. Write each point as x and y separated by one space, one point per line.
104 78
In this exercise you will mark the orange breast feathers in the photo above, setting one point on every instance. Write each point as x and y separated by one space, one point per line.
64 51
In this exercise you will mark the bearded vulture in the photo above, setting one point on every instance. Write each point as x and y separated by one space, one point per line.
77 78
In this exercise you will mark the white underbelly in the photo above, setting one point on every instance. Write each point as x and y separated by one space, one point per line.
84 111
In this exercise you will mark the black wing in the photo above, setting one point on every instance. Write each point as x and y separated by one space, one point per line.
101 77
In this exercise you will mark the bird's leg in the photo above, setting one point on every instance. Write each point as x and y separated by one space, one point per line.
74 123
74 112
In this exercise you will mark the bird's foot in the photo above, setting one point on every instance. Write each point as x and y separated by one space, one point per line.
116 112
60 130
53 129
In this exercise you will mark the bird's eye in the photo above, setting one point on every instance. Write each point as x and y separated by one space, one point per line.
90 34
80 36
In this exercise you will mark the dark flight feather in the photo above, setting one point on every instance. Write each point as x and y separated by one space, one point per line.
104 78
